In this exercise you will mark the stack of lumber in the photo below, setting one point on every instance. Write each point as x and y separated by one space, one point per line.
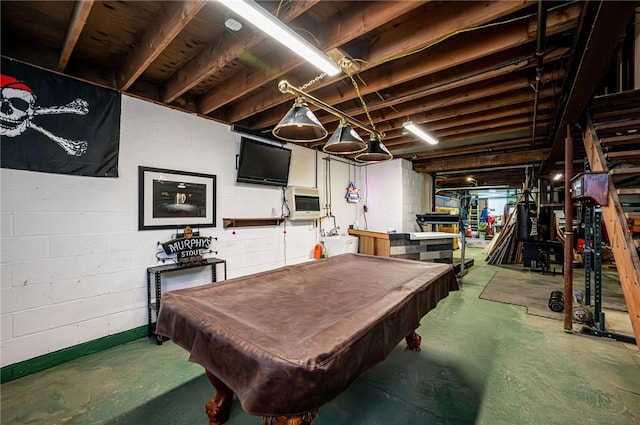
507 249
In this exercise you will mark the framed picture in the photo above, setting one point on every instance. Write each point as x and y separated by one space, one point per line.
170 199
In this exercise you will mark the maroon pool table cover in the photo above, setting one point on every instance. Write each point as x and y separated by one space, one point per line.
289 340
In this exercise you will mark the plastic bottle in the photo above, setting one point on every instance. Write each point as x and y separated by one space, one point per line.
317 251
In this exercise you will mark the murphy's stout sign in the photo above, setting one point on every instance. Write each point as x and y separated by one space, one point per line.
187 246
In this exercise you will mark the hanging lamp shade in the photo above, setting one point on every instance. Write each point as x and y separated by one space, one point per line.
300 125
344 141
376 152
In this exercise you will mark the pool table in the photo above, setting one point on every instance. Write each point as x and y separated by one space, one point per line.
289 340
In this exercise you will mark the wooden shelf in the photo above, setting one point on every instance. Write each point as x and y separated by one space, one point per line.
249 222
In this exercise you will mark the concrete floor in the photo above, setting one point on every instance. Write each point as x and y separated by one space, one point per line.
482 362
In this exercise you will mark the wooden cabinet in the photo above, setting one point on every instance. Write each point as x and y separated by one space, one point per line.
373 243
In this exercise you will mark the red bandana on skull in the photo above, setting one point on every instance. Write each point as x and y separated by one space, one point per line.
18 108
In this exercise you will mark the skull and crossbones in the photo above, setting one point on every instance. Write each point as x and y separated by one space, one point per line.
18 108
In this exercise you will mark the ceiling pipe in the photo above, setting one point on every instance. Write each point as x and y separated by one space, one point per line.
540 42
568 232
471 188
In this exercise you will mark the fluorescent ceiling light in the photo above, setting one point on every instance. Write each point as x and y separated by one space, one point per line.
419 132
276 29
557 177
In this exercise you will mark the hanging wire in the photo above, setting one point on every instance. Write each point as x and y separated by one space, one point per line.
284 242
329 186
346 63
462 31
279 6
346 66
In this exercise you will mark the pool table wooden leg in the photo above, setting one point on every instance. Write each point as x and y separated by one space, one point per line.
304 419
413 341
219 406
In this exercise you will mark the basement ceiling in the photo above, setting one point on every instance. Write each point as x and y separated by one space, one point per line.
483 77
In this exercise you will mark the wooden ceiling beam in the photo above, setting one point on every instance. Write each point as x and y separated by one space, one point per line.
425 36
219 54
497 114
393 121
469 133
459 50
358 21
79 17
155 39
491 132
512 178
516 100
481 138
479 90
488 103
455 78
480 161
496 147
444 21
450 133
474 128
455 97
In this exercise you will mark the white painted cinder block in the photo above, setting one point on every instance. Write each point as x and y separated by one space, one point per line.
56 315
6 224
6 327
80 288
74 262
46 223
17 349
6 275
76 245
45 271
17 249
23 298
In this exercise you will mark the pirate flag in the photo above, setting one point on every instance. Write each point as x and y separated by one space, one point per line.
56 124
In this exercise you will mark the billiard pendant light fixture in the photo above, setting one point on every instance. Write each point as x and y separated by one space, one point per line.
376 151
344 141
300 125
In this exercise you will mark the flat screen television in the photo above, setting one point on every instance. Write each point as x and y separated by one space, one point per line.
263 163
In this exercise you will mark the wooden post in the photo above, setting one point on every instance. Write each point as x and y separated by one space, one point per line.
568 231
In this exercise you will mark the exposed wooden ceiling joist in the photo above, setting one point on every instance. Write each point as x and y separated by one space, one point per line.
463 70
381 51
479 162
78 20
358 22
155 40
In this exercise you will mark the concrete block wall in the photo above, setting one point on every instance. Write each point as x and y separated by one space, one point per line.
412 196
73 263
395 196
384 196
